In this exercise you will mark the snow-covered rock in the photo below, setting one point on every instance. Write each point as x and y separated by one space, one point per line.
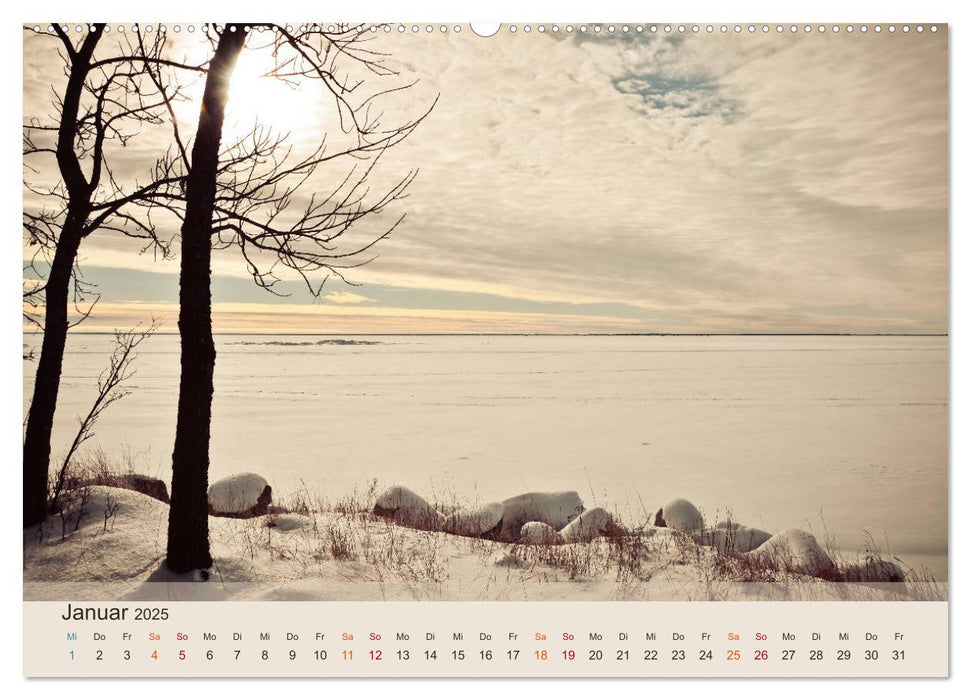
474 522
874 571
794 550
406 507
149 485
539 533
727 525
244 495
556 509
749 538
682 515
739 539
285 522
589 525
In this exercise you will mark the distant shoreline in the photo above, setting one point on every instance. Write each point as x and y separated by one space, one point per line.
566 335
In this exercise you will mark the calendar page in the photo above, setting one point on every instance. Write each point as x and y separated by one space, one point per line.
561 349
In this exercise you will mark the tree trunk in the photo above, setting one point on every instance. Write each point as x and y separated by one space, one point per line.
40 419
188 536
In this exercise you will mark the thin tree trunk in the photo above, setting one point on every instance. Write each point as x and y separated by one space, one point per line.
40 420
188 535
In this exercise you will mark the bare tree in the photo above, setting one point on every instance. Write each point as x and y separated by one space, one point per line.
106 101
251 194
188 533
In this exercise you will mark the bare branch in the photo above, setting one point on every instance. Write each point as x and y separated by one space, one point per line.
262 207
110 390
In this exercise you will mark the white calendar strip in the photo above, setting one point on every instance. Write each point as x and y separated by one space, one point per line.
485 639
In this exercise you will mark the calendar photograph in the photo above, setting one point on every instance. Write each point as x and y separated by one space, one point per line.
450 313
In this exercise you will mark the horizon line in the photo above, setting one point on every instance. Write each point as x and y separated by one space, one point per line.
565 335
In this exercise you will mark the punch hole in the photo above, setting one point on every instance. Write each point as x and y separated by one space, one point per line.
485 29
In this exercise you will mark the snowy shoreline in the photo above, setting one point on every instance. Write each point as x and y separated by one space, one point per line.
110 545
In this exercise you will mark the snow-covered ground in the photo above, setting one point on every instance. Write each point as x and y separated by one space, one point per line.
110 545
837 435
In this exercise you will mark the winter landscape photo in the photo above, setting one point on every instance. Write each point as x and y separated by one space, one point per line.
401 312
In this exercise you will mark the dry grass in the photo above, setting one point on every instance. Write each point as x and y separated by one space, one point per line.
344 538
95 468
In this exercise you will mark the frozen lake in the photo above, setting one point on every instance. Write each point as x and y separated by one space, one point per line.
849 433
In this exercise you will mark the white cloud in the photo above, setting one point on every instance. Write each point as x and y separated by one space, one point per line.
347 298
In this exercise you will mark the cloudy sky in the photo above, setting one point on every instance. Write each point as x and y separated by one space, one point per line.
701 183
